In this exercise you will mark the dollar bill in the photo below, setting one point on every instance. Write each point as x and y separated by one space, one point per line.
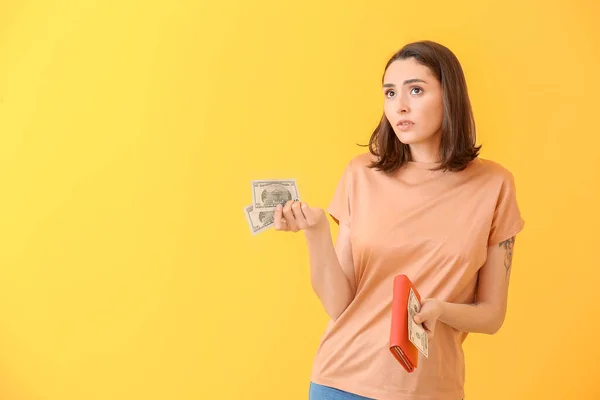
416 332
266 194
259 220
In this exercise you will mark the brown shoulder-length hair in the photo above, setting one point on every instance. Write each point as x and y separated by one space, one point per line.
458 142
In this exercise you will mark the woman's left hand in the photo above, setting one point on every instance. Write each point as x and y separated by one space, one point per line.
430 311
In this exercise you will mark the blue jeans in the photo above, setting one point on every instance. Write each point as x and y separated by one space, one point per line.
320 392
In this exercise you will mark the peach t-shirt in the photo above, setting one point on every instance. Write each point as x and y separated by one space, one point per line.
433 226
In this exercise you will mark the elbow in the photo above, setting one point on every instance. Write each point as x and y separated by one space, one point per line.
334 299
335 307
494 323
334 313
335 304
493 329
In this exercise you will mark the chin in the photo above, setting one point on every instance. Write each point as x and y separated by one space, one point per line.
410 137
416 136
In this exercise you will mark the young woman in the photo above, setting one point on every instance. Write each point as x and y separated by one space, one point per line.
423 203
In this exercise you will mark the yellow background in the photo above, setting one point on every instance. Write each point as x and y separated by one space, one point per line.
130 132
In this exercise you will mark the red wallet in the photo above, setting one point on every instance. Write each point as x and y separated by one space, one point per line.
401 347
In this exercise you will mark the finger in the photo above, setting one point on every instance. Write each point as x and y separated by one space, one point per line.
299 215
426 326
430 333
429 327
289 216
309 215
280 223
418 318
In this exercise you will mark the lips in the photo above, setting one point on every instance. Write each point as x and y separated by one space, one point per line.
405 123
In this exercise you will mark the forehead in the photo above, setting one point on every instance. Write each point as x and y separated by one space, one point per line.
401 70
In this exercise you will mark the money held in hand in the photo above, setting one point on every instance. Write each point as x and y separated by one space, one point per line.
259 220
416 333
266 194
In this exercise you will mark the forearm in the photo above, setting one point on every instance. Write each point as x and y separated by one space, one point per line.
475 317
327 277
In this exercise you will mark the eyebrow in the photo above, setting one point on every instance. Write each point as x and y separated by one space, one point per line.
406 82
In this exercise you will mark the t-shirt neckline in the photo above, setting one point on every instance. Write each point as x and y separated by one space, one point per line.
423 165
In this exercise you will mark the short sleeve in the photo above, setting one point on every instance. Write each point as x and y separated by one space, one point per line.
507 220
339 207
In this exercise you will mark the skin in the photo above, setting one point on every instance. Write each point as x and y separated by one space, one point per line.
410 91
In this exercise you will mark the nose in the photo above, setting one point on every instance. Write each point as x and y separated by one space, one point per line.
402 105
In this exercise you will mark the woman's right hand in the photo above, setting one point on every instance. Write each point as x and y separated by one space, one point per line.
297 216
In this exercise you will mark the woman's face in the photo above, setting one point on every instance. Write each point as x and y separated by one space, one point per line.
413 103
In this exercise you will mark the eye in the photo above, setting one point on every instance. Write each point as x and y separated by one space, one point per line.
420 90
388 92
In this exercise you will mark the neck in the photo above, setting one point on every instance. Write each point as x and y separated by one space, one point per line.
424 154
427 151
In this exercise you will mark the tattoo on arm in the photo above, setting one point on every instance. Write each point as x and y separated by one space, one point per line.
508 245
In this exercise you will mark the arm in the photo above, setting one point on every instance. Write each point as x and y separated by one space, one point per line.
486 314
331 269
